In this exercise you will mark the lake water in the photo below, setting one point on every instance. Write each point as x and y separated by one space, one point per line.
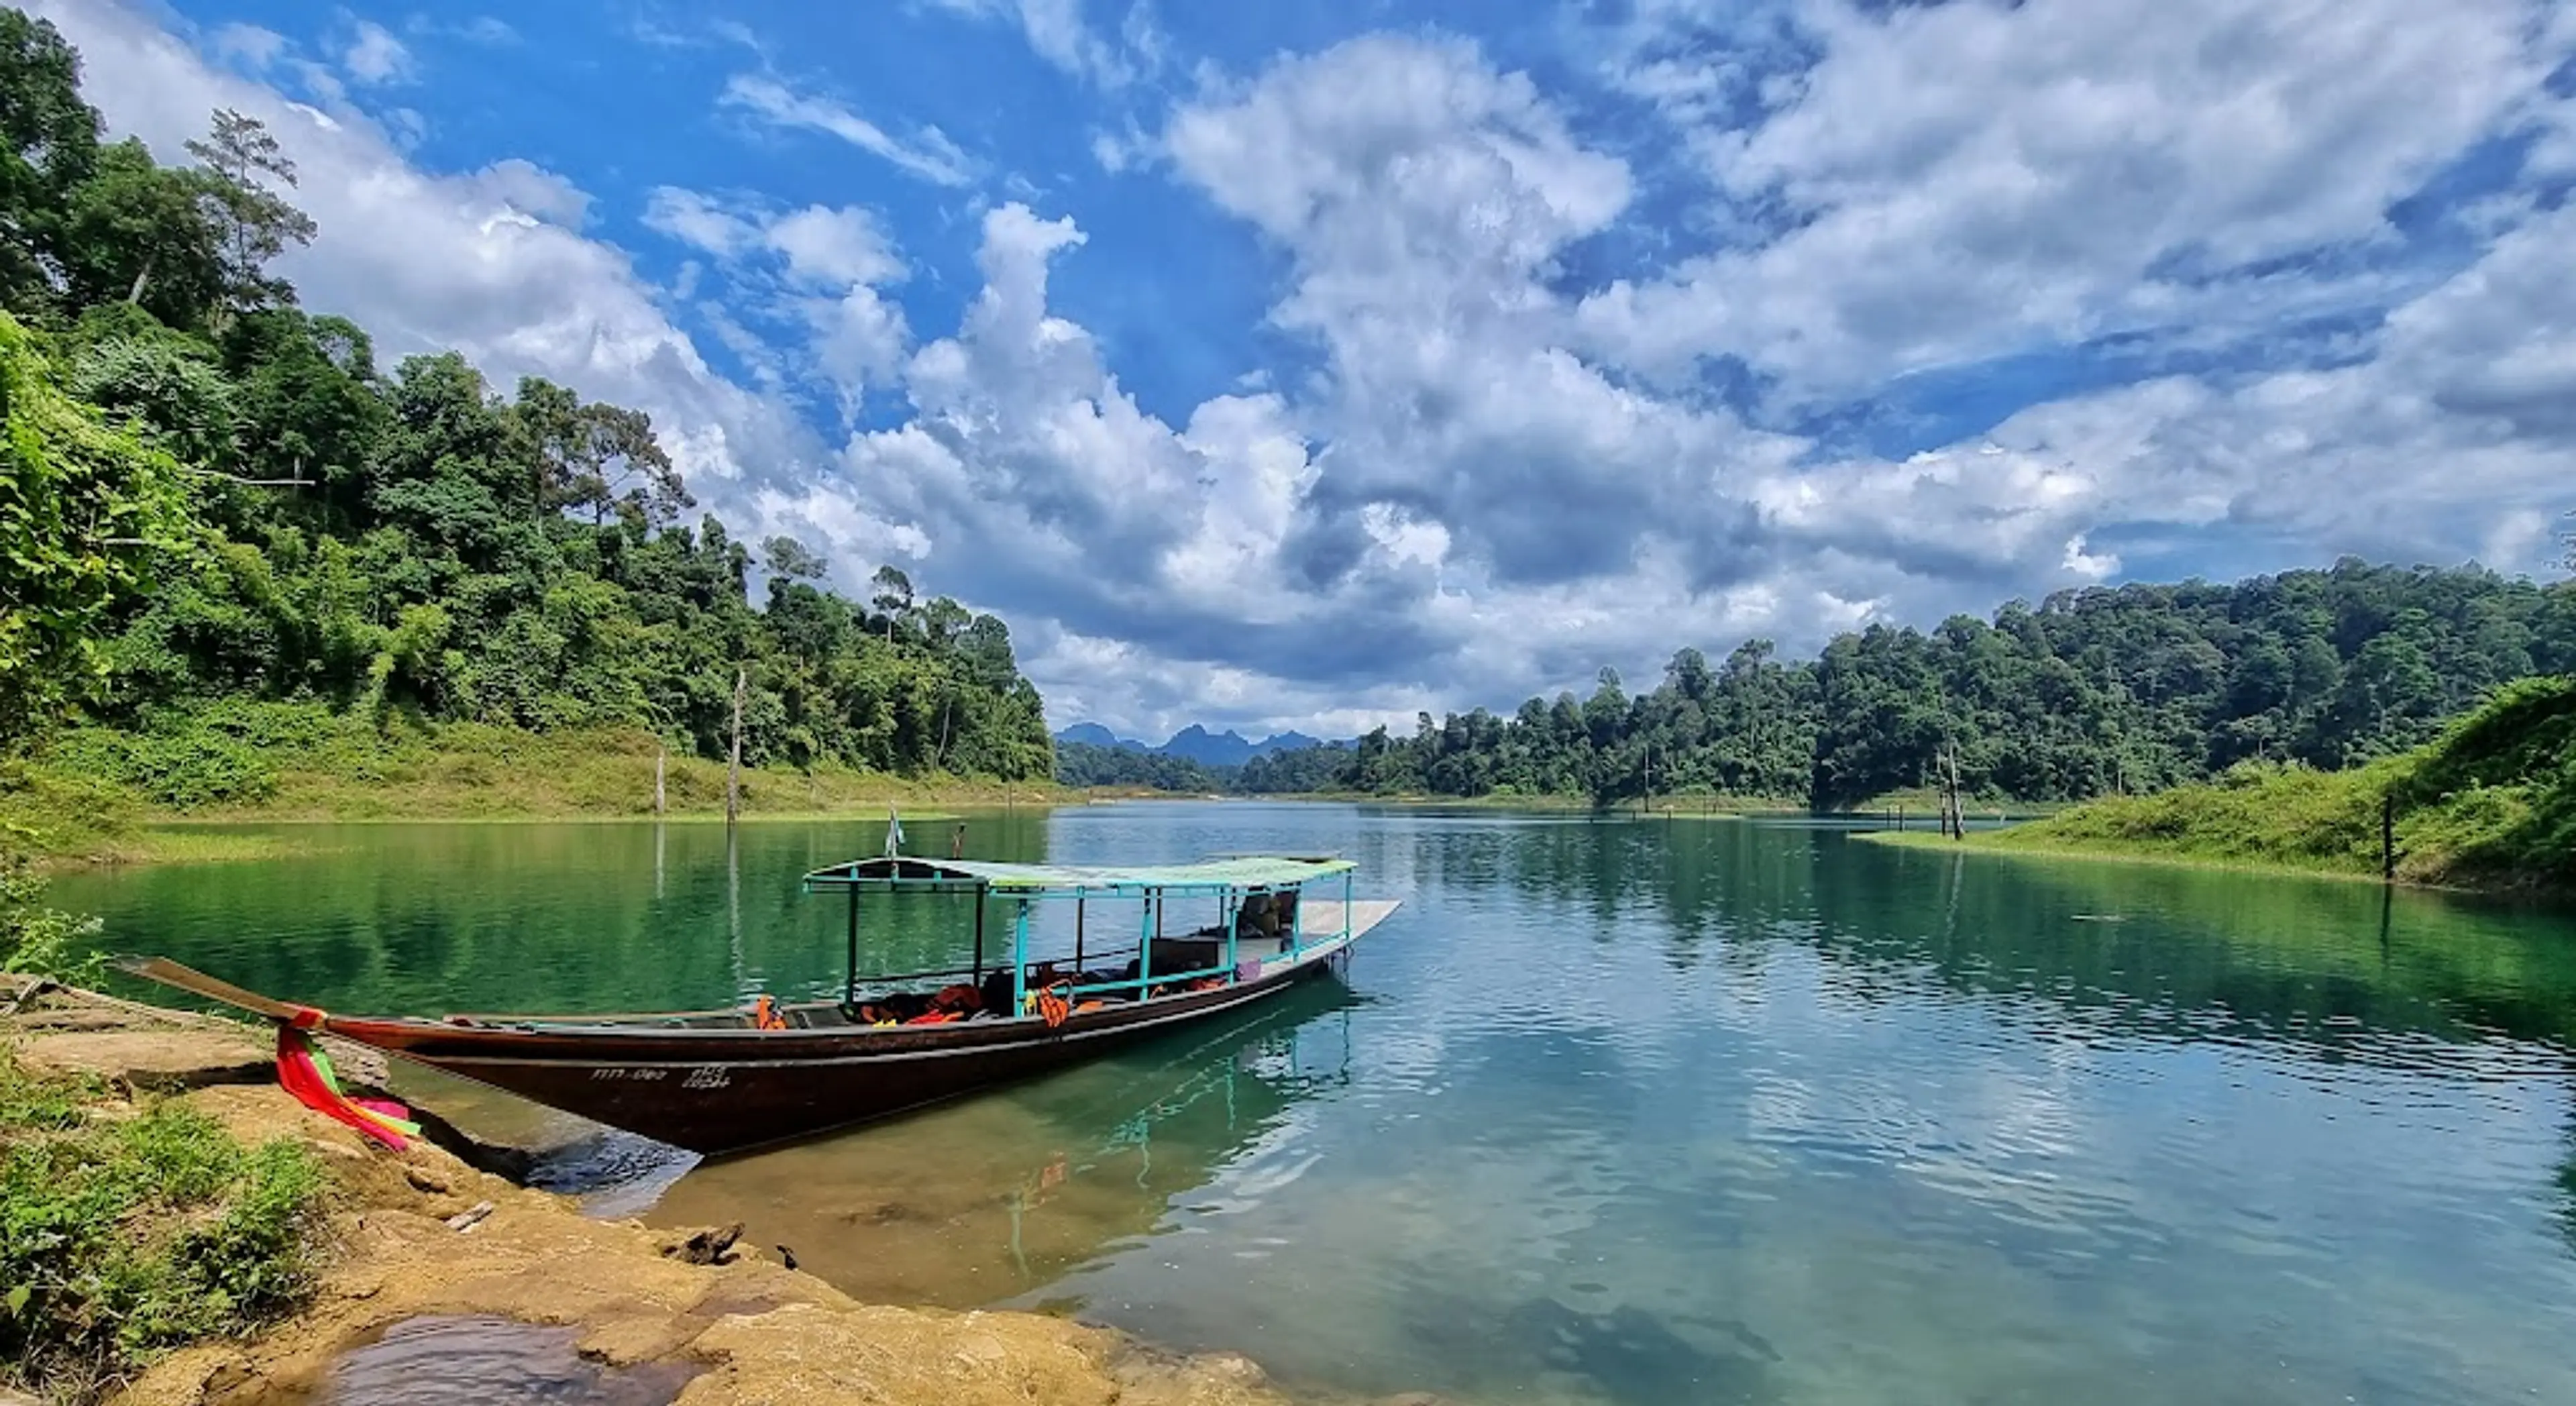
1651 1111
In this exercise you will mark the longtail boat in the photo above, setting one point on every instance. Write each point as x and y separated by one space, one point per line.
724 1081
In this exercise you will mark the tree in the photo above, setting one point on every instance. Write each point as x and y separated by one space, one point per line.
893 599
985 649
444 413
942 621
620 468
310 405
172 389
1605 709
88 516
253 222
1689 673
48 145
546 425
2133 688
138 232
785 556
441 562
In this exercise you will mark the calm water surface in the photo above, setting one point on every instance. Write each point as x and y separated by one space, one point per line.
1619 1111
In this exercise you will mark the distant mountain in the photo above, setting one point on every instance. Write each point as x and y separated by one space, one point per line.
1225 748
1094 735
1196 743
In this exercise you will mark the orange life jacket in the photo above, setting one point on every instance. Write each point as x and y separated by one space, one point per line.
765 1016
1053 1007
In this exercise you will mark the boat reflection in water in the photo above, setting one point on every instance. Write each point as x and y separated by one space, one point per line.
971 1203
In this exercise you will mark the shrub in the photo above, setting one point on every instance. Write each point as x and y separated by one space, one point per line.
121 1238
37 940
186 766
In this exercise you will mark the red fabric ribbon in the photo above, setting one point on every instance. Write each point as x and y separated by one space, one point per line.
310 1080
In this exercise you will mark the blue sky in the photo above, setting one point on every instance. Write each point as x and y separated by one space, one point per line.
1305 365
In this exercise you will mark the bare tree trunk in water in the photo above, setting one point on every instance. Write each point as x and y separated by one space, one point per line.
733 769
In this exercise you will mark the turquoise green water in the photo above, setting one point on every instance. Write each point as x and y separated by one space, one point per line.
1627 1111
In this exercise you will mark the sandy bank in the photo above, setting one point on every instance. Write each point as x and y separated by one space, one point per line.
425 1233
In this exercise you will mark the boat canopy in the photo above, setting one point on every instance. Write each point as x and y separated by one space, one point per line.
1223 874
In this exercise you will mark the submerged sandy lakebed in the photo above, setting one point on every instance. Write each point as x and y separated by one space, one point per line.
423 1236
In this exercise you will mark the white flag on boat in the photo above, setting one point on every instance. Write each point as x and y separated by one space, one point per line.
894 832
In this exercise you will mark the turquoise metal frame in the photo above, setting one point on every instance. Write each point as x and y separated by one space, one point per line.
1030 884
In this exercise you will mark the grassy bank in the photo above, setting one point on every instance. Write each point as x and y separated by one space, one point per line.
2490 805
1993 842
96 795
1923 804
124 1235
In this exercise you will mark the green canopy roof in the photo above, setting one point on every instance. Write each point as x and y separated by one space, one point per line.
1209 875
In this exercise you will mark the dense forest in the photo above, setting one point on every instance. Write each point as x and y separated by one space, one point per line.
2099 691
216 499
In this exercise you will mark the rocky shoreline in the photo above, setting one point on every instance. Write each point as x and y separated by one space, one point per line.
438 1232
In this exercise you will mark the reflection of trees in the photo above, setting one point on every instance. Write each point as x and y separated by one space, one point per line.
2567 1189
2147 949
2159 949
2332 970
979 1200
584 916
2567 1170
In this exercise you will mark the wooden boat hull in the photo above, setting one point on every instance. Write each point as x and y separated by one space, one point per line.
722 1091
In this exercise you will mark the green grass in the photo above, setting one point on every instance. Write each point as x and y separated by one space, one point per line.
105 795
122 1237
1993 842
1924 803
2492 804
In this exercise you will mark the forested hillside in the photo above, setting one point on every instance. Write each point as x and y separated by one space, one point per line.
217 502
2094 692
2491 803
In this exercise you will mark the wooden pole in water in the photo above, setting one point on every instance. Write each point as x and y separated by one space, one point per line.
661 761
1954 821
850 989
733 769
2388 838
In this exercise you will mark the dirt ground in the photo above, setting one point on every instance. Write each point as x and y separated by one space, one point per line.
755 1331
